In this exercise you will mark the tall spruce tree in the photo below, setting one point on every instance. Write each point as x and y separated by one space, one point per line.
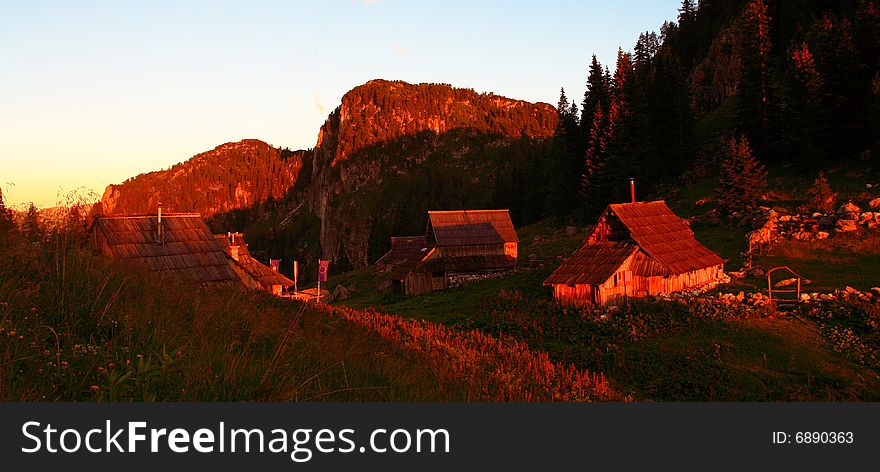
755 114
743 179
6 220
561 174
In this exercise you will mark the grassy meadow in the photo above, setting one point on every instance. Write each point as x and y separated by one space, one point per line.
76 327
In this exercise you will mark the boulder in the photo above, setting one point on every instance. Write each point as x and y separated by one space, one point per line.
846 226
822 235
876 291
802 236
849 211
827 221
786 282
385 285
341 293
868 215
874 204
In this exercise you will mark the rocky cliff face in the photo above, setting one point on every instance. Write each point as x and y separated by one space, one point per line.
231 176
716 78
384 129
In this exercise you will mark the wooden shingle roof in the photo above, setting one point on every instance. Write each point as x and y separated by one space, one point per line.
188 253
256 269
664 236
471 227
592 263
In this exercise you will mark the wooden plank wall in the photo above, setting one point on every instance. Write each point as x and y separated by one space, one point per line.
610 294
481 250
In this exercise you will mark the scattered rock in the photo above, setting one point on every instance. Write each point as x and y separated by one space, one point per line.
822 235
875 204
846 225
849 211
786 282
341 293
385 285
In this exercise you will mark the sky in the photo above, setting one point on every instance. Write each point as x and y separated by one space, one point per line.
92 92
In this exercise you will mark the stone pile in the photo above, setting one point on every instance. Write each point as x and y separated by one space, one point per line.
759 299
463 279
769 223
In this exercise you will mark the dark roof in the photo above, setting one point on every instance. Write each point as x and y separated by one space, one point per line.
257 270
664 236
592 263
471 227
403 266
402 246
189 252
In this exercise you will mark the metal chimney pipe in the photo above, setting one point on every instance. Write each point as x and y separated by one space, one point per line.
159 235
632 189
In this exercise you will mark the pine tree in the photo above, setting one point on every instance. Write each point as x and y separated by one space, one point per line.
743 179
597 94
822 198
756 97
30 226
6 219
563 169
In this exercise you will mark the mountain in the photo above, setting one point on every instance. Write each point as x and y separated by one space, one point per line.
389 152
393 150
231 176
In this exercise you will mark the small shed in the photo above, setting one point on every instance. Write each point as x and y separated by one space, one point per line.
179 246
253 273
636 250
458 246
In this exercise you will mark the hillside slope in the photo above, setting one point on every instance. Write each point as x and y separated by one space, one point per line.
230 176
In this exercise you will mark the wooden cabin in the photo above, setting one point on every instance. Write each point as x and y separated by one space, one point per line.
636 250
457 246
179 246
253 273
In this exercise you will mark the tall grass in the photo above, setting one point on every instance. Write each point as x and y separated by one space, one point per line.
74 326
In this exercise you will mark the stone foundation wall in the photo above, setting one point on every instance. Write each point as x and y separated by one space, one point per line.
457 280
